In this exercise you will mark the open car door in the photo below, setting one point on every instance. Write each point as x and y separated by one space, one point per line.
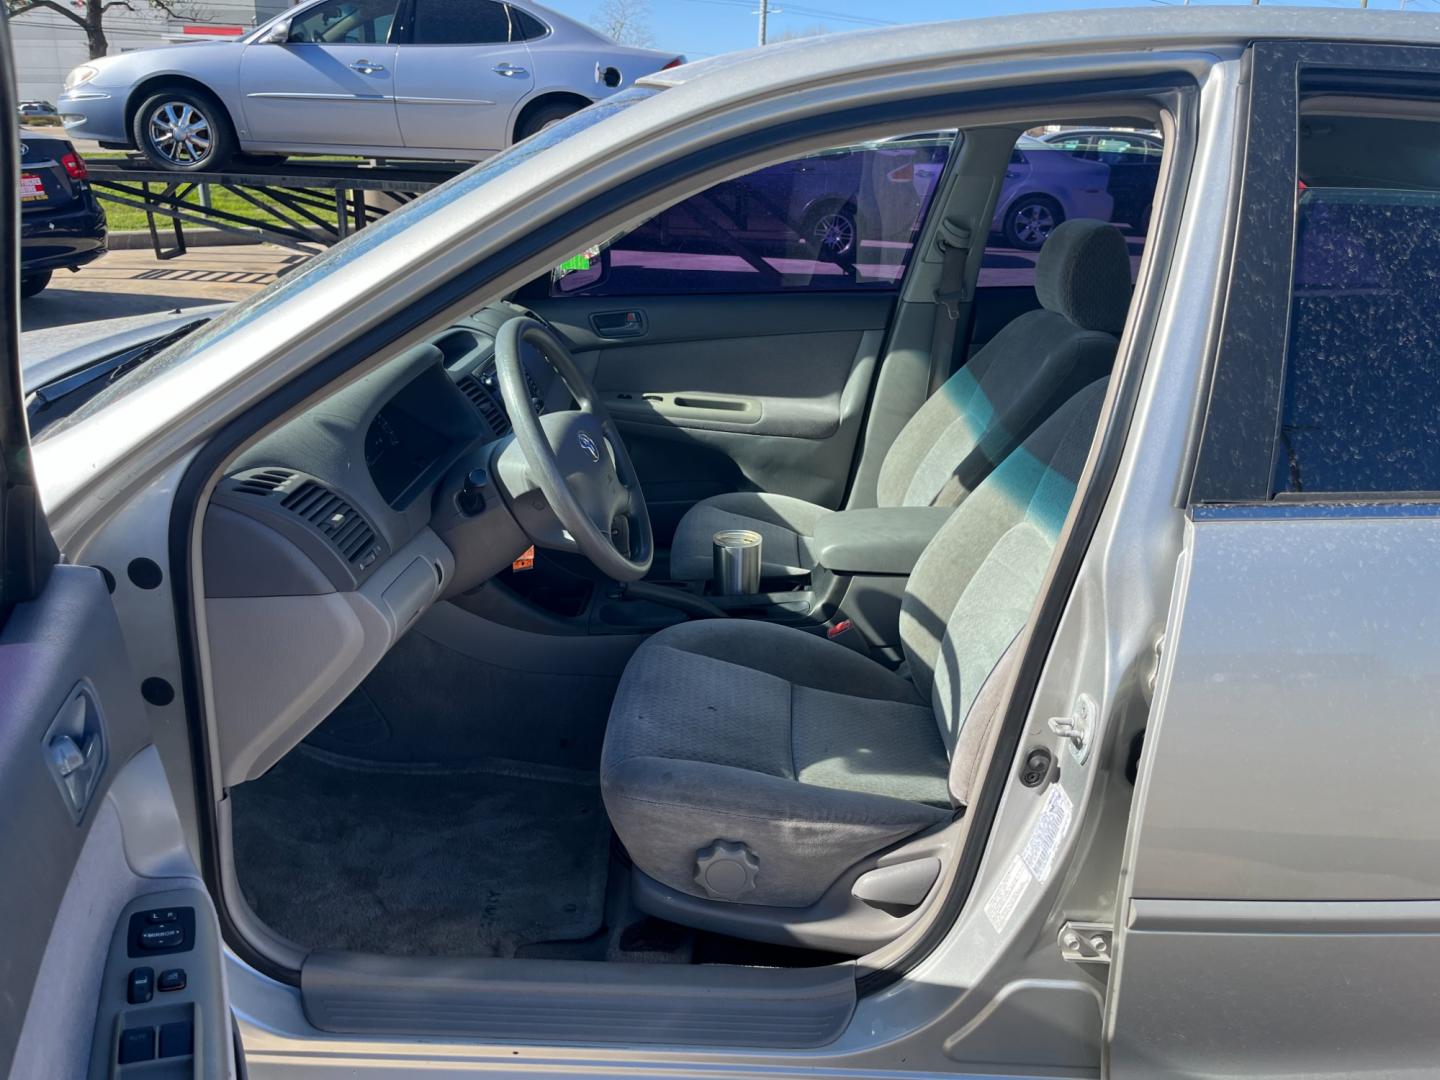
105 926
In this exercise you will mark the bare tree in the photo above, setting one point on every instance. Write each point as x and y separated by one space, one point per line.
91 18
627 21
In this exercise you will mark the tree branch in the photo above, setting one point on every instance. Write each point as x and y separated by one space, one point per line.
116 3
21 8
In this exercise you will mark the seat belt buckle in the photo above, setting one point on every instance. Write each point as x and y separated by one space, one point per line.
845 633
951 302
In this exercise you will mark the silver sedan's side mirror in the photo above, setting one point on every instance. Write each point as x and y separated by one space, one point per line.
278 34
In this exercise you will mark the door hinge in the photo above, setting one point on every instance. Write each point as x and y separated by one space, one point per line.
1079 727
1086 942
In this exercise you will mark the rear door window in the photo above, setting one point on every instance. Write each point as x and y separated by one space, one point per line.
1361 405
460 22
843 219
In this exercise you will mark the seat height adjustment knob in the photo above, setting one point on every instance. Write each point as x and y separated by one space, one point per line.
726 870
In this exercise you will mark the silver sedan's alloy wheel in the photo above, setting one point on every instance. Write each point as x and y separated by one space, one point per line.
1034 223
835 234
181 133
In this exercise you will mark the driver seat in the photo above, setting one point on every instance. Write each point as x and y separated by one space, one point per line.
753 770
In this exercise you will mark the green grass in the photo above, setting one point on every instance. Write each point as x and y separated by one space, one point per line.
124 218
127 217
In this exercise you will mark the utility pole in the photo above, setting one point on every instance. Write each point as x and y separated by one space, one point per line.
764 18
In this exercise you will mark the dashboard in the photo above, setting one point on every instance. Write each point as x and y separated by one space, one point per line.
333 527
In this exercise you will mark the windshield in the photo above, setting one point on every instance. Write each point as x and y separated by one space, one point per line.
357 246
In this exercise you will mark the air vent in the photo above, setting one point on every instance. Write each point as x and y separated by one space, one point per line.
487 400
483 390
338 521
263 482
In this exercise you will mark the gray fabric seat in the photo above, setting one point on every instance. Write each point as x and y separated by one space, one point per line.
1022 375
813 756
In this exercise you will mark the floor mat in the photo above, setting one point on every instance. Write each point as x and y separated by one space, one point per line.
419 860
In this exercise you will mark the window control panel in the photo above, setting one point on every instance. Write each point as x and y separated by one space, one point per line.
161 931
161 1013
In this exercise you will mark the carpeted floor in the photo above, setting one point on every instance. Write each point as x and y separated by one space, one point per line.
418 860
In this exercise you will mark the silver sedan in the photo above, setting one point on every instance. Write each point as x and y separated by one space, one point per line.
384 78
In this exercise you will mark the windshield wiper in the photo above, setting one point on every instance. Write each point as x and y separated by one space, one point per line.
66 394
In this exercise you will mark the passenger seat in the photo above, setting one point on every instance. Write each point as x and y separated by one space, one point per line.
986 409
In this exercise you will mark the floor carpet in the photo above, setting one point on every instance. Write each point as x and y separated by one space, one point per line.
421 861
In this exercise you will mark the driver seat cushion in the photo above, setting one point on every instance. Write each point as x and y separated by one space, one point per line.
810 754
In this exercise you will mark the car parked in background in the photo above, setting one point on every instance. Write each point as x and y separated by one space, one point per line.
31 110
387 78
62 225
1133 158
1044 188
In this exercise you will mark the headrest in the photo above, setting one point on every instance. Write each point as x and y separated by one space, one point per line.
1083 273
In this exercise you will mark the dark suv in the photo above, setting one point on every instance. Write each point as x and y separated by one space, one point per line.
61 222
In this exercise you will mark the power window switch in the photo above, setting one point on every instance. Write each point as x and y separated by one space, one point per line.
140 987
174 979
137 1044
177 1039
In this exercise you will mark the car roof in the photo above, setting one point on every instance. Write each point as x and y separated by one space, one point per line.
1091 31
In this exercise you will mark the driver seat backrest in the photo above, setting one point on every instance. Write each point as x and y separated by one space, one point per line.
974 586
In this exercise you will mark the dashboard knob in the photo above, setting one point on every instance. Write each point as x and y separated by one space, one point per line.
471 499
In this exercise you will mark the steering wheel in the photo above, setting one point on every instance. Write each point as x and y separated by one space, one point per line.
575 459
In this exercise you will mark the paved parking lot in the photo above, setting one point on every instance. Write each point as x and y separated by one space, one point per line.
134 282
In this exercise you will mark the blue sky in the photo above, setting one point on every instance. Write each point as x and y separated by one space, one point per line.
702 28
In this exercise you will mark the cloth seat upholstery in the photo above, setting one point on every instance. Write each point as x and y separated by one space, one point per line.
812 755
954 440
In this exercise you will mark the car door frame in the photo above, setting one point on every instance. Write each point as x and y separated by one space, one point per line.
1169 925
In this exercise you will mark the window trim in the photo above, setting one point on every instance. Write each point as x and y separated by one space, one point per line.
1234 464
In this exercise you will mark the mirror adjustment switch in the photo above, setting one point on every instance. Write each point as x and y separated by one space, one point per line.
160 931
137 1044
140 987
161 937
174 979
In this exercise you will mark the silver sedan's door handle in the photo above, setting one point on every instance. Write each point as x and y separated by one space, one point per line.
365 67
510 71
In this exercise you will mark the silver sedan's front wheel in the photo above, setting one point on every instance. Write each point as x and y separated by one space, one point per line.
183 130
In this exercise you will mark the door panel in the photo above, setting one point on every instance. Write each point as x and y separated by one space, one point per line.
728 393
79 875
460 96
327 95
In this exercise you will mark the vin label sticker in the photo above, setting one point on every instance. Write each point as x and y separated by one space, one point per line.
1050 829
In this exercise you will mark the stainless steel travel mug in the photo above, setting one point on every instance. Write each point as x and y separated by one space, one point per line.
737 562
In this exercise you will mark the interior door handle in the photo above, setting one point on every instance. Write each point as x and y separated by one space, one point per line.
510 71
75 749
365 67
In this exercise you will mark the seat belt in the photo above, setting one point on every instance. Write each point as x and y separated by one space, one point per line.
953 240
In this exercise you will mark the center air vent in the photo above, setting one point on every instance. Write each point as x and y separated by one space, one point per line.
339 522
483 390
